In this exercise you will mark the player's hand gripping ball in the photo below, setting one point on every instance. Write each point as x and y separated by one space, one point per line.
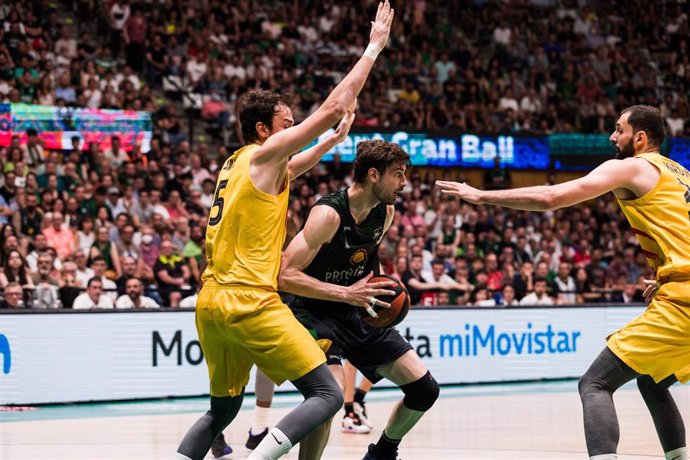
399 304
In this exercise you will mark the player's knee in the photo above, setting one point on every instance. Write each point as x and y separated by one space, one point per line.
225 407
421 394
588 384
331 394
335 399
646 385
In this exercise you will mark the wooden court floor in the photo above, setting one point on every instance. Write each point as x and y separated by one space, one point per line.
526 421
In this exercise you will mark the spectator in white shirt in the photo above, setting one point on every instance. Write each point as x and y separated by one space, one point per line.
84 273
539 297
480 298
93 297
564 285
437 274
99 267
508 296
116 156
134 298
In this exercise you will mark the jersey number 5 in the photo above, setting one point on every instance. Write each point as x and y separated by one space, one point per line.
218 202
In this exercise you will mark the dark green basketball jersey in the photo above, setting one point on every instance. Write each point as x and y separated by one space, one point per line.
352 253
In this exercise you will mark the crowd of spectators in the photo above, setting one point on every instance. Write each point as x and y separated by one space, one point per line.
95 227
509 66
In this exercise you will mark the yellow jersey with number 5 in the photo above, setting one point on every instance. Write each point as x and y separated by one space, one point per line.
246 228
661 218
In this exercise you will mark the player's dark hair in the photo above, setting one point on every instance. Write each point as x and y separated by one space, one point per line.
259 107
648 119
377 154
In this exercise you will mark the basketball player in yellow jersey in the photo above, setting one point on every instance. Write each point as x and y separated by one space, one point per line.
239 316
654 194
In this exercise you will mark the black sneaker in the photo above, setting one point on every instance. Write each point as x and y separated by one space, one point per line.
219 447
254 439
370 454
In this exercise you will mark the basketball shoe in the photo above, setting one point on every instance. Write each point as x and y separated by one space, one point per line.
219 447
254 439
353 424
361 412
370 454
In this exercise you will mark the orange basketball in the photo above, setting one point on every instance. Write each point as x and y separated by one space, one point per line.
400 304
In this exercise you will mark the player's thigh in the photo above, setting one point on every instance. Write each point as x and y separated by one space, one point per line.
406 369
280 346
228 363
656 343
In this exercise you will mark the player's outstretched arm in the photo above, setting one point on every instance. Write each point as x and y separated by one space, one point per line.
283 144
304 161
610 175
322 224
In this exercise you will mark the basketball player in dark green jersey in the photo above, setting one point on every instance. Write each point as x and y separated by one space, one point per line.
328 265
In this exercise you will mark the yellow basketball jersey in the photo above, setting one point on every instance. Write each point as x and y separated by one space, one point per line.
246 228
661 218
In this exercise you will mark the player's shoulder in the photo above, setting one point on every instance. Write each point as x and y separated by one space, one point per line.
325 215
336 200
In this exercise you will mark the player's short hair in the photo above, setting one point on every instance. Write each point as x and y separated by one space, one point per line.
648 119
259 107
377 154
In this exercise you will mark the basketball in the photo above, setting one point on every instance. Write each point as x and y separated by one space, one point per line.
400 304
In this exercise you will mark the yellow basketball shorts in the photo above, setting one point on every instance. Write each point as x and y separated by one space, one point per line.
657 343
240 327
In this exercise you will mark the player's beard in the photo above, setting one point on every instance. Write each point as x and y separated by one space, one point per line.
381 195
626 152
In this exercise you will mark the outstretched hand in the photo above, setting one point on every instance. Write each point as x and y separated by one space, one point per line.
650 290
343 128
461 190
381 26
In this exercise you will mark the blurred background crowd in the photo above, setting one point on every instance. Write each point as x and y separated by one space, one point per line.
92 227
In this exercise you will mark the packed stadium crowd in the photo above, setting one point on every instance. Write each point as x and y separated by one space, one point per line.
90 228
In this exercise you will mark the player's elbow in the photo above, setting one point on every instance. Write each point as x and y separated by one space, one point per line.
285 276
549 201
335 109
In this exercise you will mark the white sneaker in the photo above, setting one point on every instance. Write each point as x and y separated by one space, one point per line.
361 413
353 425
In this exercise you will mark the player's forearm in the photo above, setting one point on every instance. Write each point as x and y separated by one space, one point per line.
538 198
304 161
298 283
345 94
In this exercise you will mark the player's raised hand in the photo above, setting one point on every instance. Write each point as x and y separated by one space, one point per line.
363 294
381 26
461 190
343 128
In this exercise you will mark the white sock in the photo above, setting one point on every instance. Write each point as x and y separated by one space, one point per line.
273 446
260 419
179 456
678 454
604 457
